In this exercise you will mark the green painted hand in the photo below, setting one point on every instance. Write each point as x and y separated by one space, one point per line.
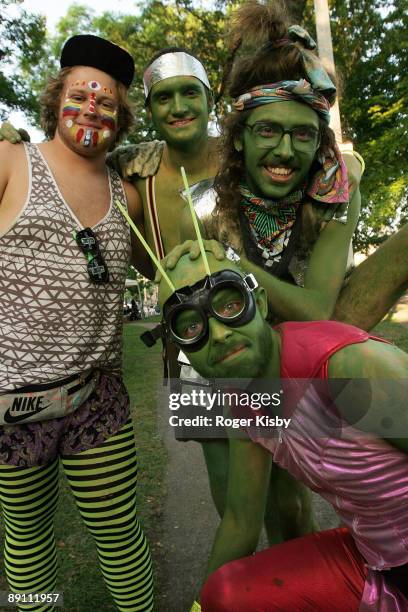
12 134
191 248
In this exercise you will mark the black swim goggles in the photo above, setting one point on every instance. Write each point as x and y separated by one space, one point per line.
225 295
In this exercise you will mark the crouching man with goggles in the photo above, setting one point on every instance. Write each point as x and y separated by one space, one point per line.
344 450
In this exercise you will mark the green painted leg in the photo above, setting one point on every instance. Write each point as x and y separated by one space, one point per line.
289 512
216 460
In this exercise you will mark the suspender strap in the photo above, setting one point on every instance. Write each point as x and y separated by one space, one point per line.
153 217
154 223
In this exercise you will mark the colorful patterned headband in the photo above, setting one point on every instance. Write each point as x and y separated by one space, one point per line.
300 91
173 64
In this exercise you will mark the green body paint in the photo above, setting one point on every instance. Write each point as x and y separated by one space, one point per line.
179 111
275 172
243 351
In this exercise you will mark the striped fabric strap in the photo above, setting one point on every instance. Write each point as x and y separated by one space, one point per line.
153 217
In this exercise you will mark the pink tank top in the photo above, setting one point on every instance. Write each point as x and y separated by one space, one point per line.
362 476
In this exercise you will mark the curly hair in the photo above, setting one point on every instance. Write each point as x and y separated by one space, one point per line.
51 99
255 29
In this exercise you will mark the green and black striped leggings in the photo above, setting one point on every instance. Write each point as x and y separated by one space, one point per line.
103 482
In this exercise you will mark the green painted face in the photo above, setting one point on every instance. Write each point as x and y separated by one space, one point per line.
231 352
179 110
274 173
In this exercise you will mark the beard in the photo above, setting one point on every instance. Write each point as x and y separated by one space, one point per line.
254 364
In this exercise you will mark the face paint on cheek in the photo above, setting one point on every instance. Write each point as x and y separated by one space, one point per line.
109 120
71 109
70 112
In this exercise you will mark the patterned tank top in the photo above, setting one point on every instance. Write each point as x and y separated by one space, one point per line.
54 321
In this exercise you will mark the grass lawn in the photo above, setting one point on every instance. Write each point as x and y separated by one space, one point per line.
395 332
79 576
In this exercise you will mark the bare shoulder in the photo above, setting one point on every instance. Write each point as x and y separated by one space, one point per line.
370 359
12 163
135 204
10 153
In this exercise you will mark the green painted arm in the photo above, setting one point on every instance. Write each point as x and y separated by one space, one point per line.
238 533
375 397
13 135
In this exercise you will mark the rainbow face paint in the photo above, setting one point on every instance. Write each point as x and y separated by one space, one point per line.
109 122
89 103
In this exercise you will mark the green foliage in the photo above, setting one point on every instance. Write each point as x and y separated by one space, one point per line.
371 53
144 283
22 37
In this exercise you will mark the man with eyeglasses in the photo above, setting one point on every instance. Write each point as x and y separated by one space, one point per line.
64 254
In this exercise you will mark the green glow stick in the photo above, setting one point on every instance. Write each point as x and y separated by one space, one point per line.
194 216
146 246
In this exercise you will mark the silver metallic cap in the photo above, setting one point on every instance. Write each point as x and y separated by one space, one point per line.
176 63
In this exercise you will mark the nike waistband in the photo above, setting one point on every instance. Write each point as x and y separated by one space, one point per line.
44 401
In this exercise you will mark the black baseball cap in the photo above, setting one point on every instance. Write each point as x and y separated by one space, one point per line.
90 50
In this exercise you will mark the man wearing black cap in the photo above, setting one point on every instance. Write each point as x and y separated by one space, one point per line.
64 253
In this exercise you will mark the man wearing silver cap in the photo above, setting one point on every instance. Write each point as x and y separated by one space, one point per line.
64 254
178 101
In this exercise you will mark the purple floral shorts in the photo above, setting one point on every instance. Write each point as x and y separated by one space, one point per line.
104 412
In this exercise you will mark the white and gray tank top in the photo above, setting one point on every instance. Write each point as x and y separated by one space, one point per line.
54 321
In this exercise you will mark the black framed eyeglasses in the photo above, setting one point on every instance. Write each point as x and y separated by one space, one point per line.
268 135
88 243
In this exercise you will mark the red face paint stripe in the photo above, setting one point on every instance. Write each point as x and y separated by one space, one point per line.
95 139
92 103
79 135
73 112
108 123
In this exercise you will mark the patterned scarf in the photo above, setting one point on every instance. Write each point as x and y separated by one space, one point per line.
317 90
271 222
